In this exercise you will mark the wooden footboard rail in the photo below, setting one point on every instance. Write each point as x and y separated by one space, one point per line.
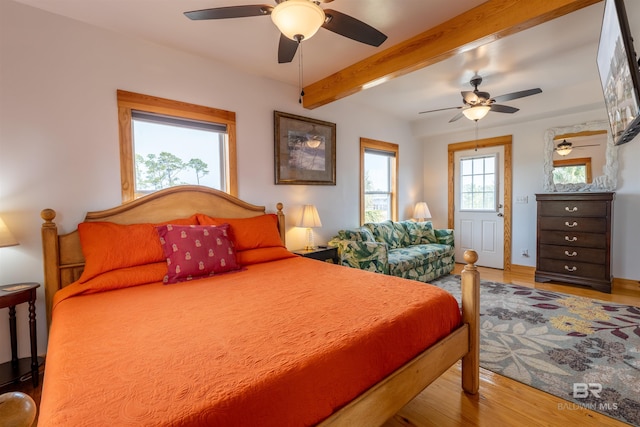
387 397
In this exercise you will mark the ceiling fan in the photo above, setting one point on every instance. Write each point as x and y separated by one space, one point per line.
564 148
477 104
298 20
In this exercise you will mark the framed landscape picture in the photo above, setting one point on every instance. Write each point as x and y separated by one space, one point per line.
305 150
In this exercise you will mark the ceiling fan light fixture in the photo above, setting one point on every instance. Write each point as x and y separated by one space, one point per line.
295 18
564 148
477 112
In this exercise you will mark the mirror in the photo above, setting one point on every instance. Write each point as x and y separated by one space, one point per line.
604 178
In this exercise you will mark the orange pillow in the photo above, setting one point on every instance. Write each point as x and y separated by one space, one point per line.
107 246
255 256
249 233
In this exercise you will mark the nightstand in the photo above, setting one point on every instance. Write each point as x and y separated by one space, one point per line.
10 296
328 254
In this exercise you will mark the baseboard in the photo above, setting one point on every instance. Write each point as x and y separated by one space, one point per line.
626 285
524 270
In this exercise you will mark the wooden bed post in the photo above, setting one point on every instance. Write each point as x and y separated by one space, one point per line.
281 225
50 247
471 315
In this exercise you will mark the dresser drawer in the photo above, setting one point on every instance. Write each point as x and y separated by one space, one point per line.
572 268
571 208
573 239
574 254
591 225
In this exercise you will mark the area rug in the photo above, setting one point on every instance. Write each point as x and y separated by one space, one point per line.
579 349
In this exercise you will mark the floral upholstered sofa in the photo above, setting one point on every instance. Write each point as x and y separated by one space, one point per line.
413 250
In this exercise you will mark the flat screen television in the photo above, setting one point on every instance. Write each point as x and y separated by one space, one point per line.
619 73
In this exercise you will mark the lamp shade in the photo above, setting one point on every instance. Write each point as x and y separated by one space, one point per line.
421 211
477 112
295 18
6 238
564 148
309 217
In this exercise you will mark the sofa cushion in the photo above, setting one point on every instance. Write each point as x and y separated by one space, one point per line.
357 235
444 236
389 232
420 232
401 234
402 259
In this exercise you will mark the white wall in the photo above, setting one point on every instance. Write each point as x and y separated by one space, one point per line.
59 136
528 161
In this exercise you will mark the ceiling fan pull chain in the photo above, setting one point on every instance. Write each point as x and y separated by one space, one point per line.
300 73
476 136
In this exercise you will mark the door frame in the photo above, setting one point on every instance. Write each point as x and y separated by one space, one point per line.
505 141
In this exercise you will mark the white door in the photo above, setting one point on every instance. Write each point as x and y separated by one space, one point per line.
479 201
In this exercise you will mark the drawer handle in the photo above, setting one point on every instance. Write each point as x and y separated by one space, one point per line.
571 239
573 224
574 268
573 209
567 253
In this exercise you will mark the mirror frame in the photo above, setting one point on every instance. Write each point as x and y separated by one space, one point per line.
606 182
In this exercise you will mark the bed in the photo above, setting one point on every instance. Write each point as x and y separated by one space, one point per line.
274 339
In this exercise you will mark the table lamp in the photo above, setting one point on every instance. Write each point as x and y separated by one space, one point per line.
421 211
309 219
6 238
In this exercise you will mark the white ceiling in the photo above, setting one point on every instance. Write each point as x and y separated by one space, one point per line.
558 56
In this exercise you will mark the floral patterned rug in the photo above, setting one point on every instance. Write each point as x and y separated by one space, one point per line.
582 350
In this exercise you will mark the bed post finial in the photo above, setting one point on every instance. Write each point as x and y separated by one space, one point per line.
48 215
471 315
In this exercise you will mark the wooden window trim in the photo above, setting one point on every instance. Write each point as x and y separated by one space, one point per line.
578 161
128 101
372 144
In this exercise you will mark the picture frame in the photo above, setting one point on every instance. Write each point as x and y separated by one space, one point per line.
305 150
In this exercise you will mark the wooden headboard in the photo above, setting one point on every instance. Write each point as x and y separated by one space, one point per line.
63 258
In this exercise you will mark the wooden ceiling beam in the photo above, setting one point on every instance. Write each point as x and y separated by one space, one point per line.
483 24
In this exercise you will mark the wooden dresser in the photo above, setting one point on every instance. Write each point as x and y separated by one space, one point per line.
574 239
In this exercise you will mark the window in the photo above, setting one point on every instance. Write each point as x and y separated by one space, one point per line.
572 171
164 143
478 189
378 180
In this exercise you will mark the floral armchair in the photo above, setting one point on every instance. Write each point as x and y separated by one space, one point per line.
408 249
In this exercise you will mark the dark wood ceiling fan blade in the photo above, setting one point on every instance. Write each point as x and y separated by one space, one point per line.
590 145
503 108
440 109
516 95
230 12
287 49
456 117
352 28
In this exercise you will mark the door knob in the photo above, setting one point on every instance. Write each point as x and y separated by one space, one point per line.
500 214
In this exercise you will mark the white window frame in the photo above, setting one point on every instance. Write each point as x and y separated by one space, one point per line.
392 150
494 208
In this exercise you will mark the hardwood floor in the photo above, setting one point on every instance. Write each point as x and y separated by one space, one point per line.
501 402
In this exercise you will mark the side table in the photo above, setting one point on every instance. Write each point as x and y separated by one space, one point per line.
10 296
329 254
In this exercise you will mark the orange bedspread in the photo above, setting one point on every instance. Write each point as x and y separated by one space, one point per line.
283 343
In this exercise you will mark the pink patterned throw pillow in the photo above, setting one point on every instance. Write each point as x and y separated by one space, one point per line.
196 251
